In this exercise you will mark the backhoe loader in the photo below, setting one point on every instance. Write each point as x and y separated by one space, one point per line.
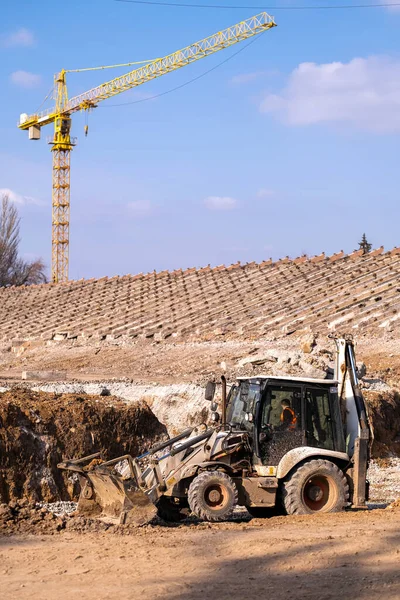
299 444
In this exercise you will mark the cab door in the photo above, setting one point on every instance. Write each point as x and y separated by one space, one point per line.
279 423
319 426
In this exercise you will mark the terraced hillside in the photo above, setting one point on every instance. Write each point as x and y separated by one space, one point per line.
352 292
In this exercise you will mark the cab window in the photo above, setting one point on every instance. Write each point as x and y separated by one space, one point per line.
319 419
242 405
282 410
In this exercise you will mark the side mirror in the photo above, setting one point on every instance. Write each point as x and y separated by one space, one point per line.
210 391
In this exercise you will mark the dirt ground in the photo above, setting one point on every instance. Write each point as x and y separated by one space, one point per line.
178 362
355 554
323 557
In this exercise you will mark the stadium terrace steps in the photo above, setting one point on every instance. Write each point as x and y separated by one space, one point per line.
358 292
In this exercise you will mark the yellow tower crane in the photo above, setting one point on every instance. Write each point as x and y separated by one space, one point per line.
62 143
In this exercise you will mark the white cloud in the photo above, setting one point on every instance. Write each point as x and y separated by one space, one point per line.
25 79
363 93
265 193
19 198
220 203
20 37
140 208
394 8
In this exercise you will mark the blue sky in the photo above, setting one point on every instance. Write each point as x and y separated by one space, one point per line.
291 147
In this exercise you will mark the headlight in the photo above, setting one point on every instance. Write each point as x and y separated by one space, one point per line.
215 417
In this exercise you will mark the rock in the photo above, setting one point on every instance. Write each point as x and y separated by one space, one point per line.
271 356
394 505
258 359
311 370
308 343
361 370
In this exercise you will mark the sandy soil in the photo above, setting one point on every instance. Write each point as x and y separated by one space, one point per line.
356 555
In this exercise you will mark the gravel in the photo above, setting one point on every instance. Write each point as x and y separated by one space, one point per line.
384 477
59 508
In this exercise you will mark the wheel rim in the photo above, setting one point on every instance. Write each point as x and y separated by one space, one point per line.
317 493
216 496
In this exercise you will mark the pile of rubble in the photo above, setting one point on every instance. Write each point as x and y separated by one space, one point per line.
22 516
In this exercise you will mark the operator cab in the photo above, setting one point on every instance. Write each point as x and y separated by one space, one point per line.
281 414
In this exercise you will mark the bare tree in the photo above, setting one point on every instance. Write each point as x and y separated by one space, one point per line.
13 269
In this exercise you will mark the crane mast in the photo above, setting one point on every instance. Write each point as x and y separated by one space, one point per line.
62 143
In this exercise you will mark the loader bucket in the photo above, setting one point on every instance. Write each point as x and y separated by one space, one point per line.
105 493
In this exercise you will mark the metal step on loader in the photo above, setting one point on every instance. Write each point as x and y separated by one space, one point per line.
298 444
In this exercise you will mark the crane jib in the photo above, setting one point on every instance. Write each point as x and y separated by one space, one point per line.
210 45
62 142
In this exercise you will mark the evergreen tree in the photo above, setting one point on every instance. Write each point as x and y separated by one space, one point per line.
365 246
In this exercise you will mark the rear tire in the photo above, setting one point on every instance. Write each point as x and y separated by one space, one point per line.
212 496
317 486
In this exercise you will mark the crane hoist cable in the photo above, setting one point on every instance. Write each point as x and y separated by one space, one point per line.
241 7
190 81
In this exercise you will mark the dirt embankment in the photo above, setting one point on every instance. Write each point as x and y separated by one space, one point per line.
384 412
38 430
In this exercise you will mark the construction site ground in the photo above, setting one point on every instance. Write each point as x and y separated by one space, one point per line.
178 362
356 554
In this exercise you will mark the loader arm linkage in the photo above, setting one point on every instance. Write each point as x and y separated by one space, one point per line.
132 492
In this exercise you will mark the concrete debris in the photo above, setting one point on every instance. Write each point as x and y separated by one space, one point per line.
59 508
375 385
44 375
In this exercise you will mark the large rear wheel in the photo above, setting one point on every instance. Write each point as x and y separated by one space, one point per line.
212 496
317 486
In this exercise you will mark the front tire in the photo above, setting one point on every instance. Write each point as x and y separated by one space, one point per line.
212 496
317 486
